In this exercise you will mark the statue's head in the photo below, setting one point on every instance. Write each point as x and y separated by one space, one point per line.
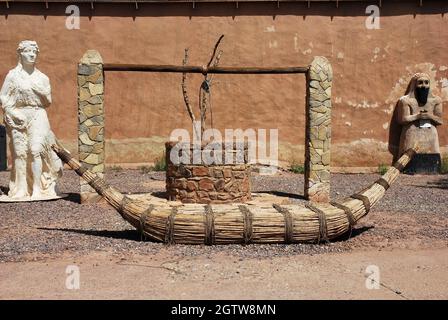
27 52
420 86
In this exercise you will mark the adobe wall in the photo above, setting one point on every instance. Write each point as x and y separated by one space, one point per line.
371 69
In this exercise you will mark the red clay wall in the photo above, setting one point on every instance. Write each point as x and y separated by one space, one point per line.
371 68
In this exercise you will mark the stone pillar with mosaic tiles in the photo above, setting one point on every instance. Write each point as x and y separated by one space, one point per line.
91 119
318 131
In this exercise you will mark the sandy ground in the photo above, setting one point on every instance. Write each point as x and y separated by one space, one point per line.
403 274
404 240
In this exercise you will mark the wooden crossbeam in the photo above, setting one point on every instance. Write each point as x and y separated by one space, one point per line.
203 70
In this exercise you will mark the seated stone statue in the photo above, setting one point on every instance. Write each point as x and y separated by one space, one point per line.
419 112
25 95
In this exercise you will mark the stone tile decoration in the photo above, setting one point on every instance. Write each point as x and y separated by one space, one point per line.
318 131
215 183
317 144
91 119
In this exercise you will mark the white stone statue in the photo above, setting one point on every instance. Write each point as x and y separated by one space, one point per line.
25 95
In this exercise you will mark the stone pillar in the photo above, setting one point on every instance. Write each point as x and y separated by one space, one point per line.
91 119
318 131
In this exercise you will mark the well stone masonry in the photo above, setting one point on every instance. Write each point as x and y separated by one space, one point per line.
318 131
91 119
215 183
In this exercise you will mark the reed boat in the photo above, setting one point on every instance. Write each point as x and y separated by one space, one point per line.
213 224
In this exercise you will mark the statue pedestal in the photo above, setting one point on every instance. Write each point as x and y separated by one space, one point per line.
424 163
5 198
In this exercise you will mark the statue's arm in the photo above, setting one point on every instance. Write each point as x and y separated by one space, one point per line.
404 112
437 117
8 102
6 92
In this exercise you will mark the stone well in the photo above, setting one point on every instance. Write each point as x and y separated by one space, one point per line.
198 182
319 78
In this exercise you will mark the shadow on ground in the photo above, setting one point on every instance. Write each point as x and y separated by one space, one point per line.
355 232
440 184
114 234
284 194
134 235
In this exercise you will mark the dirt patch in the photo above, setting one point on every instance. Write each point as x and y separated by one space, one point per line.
401 274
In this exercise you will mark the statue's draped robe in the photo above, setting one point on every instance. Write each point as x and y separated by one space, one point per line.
20 101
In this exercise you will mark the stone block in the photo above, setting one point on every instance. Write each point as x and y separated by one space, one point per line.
219 185
181 184
239 174
86 70
91 159
98 168
96 89
326 158
93 110
81 81
322 133
84 138
217 173
200 171
224 196
84 94
192 186
94 131
97 77
206 184
317 144
324 175
227 173
98 99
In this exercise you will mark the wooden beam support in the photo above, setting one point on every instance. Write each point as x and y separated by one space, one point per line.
203 70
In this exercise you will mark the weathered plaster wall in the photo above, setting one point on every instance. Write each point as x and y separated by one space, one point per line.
371 69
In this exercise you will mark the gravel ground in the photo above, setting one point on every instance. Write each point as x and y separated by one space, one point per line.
413 214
